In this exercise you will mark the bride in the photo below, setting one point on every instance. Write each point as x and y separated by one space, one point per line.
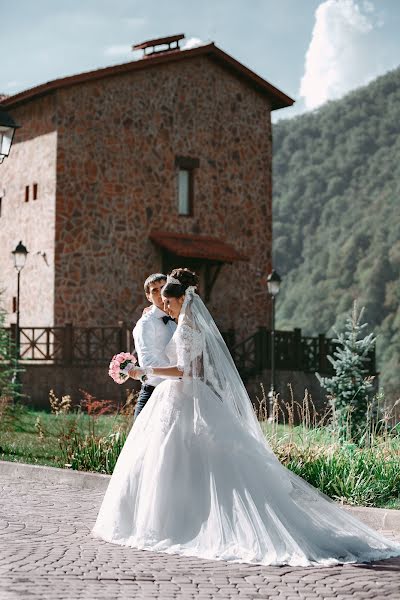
196 476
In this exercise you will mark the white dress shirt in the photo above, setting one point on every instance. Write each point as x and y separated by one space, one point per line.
151 336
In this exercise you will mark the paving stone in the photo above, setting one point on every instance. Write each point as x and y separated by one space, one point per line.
48 553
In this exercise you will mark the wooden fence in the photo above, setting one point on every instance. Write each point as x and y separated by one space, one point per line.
293 352
71 345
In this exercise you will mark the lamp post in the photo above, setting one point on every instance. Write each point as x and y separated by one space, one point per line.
273 282
20 253
7 130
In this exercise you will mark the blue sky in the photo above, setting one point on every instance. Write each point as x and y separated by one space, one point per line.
314 50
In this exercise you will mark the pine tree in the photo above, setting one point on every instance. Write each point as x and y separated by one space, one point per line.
350 388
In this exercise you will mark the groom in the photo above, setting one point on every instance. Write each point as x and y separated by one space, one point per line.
151 335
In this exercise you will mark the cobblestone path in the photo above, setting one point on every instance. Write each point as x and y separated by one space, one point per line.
47 552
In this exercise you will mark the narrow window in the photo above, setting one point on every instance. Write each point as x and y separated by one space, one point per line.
1 202
184 189
14 304
35 191
186 169
27 193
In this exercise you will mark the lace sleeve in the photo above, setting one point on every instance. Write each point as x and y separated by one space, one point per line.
189 350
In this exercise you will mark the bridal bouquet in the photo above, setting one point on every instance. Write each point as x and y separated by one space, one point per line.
120 365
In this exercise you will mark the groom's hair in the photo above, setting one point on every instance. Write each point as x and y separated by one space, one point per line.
152 279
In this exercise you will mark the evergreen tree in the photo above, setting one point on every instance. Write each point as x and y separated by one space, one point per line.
350 389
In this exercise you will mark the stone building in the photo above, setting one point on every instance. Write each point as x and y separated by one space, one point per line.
136 168
129 170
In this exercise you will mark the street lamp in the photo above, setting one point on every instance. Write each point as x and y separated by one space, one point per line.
20 253
7 130
273 282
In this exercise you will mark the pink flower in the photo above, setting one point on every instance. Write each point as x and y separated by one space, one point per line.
114 369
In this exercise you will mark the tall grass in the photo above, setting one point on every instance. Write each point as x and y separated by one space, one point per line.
88 437
92 450
93 453
364 472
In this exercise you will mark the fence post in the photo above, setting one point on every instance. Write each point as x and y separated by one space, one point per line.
121 337
322 361
230 338
128 339
372 365
258 349
68 350
262 348
13 334
297 350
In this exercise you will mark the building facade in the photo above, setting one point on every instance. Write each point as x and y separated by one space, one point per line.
129 170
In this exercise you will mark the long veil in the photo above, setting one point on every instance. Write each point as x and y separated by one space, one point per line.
205 359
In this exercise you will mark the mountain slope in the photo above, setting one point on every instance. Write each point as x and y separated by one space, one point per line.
337 217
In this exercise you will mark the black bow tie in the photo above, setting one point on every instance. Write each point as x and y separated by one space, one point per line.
166 319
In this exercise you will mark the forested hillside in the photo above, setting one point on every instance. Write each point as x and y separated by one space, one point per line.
337 217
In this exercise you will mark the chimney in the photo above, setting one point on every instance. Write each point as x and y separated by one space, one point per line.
160 45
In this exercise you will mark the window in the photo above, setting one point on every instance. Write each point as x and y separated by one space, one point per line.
186 168
184 191
27 193
35 191
1 201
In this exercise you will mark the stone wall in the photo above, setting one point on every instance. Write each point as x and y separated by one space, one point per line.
38 380
32 161
116 182
288 385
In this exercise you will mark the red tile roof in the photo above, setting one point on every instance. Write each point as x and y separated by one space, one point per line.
277 98
196 246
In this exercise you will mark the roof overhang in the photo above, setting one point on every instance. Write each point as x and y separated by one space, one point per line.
197 246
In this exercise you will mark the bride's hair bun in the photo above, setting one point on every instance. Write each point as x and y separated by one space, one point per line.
186 279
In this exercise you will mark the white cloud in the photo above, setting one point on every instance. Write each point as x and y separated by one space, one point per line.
342 53
125 50
192 42
368 6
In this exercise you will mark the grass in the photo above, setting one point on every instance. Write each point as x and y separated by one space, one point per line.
365 473
23 443
362 472
366 476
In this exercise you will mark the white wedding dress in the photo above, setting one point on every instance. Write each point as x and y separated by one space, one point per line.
196 476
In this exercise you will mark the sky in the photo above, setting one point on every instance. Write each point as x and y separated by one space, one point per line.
313 50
